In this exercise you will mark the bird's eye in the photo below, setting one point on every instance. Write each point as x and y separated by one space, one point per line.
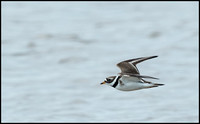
108 80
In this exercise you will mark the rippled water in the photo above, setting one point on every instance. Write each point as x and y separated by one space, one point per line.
55 54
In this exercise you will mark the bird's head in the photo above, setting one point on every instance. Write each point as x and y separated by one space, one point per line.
109 80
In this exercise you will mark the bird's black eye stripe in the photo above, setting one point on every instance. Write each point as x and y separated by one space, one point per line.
108 80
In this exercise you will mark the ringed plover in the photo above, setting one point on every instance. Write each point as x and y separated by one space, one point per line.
130 79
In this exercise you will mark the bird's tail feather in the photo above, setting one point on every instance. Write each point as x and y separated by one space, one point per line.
151 85
156 84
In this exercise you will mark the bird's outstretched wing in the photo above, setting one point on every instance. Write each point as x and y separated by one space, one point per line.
129 66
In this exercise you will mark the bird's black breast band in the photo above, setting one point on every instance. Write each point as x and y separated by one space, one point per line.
116 82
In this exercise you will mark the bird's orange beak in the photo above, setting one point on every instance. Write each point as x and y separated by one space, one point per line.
103 82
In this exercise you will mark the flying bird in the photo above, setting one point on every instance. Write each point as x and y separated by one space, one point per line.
129 79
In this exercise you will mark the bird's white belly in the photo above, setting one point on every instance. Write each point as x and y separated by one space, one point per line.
130 86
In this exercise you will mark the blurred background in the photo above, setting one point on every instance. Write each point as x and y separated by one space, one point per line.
56 54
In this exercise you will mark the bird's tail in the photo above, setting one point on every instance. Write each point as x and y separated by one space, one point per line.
154 85
150 84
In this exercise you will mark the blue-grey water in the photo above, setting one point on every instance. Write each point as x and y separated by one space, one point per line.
55 55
